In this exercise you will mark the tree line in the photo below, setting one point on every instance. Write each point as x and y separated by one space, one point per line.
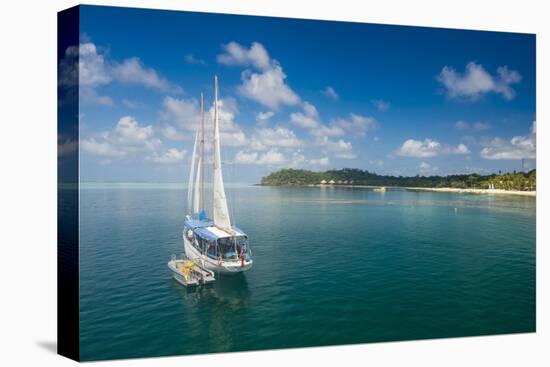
523 181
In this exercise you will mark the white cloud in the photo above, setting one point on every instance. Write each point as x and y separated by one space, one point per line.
519 147
476 81
276 137
127 137
171 133
132 71
331 93
323 161
183 112
190 59
428 148
381 105
342 149
263 117
89 95
93 70
461 149
169 156
356 124
309 120
101 148
235 54
89 68
268 86
270 158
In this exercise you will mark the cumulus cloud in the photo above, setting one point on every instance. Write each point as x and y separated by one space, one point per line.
429 148
184 114
133 71
268 88
476 81
235 54
127 137
169 156
323 161
267 85
341 149
519 147
270 158
330 93
263 117
276 137
308 119
356 124
89 67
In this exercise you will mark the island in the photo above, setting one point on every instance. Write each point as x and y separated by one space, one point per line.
519 183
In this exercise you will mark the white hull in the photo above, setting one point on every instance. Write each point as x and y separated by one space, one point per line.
226 267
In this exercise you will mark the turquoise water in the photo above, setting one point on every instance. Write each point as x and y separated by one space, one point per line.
332 266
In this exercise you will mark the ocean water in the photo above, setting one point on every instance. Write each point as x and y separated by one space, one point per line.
332 266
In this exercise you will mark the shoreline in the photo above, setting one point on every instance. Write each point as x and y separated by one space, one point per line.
432 189
475 191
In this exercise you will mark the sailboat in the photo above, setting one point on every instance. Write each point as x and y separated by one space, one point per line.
213 243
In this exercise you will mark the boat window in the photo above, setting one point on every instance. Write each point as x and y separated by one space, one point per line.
212 249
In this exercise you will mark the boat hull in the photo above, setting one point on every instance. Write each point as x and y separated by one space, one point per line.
227 267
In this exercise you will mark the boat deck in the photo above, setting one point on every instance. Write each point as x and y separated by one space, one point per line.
189 273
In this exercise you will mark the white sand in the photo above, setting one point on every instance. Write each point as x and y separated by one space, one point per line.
475 191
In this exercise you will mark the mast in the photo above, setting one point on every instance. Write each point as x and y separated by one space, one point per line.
220 211
201 188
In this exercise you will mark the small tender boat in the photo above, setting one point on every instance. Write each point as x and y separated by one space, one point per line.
215 243
380 189
189 273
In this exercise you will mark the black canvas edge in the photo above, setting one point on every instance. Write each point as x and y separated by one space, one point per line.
68 297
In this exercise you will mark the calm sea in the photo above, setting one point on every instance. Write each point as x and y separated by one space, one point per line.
332 266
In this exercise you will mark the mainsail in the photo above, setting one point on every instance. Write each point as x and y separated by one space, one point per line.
196 194
191 176
220 211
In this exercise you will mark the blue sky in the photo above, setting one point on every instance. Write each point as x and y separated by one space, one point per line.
300 93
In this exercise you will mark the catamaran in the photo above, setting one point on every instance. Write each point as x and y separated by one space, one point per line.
214 243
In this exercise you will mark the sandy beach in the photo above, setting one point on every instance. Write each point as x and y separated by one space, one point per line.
443 189
475 191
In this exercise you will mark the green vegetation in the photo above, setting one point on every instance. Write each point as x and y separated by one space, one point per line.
524 181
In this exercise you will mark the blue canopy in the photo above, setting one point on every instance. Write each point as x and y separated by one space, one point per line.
195 223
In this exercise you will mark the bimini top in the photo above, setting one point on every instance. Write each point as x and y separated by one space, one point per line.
207 230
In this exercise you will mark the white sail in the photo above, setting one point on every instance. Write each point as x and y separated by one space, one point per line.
220 211
191 177
196 194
